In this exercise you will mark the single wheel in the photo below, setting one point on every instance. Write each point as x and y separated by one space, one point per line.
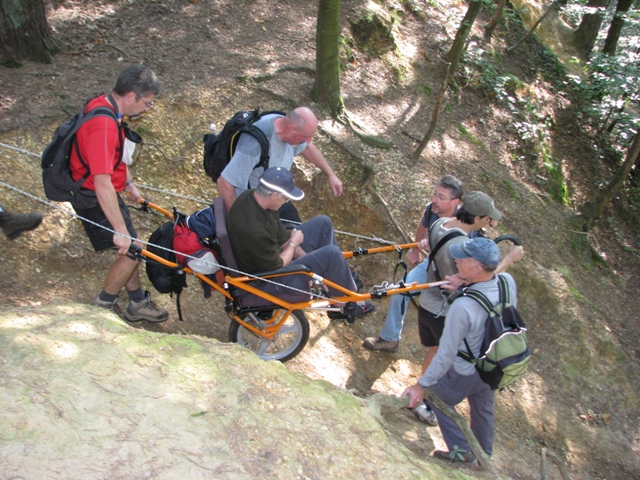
289 341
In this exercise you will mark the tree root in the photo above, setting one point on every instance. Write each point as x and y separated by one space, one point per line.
544 453
366 138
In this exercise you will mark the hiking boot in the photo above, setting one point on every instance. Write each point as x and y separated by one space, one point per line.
381 344
145 310
457 456
361 309
425 414
112 306
14 224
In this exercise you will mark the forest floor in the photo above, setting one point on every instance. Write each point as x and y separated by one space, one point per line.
215 57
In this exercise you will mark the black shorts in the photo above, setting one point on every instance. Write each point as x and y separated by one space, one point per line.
430 328
100 238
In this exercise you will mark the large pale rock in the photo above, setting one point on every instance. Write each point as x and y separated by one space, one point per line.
84 395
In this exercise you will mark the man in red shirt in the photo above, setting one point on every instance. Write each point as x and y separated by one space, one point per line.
100 146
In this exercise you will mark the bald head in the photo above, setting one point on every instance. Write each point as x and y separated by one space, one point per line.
298 126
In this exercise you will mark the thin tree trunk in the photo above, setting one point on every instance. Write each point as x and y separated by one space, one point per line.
550 9
434 118
613 35
25 33
453 57
326 88
495 20
591 211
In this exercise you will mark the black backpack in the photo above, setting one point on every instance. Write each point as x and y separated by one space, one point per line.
166 279
220 147
56 173
504 356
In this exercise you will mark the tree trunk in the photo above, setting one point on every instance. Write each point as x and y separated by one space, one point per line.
591 211
610 44
25 33
453 57
550 9
584 38
434 119
495 20
326 88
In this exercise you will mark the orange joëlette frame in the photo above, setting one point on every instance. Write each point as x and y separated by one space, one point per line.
242 283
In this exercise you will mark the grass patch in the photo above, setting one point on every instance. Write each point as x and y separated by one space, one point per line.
557 186
510 190
465 133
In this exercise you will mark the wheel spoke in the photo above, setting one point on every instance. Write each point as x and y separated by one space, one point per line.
289 329
263 347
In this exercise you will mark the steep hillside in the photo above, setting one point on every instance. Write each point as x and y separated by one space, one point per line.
215 57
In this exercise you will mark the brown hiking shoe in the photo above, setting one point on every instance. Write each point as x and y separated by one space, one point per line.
381 344
145 310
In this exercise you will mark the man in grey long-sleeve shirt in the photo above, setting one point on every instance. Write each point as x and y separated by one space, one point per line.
449 376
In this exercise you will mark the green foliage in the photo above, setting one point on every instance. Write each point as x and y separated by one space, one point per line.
400 72
426 89
610 95
564 271
557 186
395 16
608 101
465 133
510 190
583 251
11 64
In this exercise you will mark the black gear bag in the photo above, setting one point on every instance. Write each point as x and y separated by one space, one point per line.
220 147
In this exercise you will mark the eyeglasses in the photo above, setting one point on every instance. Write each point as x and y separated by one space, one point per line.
441 197
286 199
147 105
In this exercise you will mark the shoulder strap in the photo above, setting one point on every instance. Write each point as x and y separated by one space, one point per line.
262 138
439 245
85 117
429 215
482 299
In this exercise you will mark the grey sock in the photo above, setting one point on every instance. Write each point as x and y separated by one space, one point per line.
136 295
107 297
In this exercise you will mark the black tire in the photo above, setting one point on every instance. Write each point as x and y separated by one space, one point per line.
510 238
289 342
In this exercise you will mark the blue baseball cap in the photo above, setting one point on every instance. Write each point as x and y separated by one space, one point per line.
481 249
278 179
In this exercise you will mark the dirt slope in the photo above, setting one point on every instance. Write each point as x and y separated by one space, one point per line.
580 398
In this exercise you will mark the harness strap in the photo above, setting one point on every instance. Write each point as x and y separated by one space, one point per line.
482 299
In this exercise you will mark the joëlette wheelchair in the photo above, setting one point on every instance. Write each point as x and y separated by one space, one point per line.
276 328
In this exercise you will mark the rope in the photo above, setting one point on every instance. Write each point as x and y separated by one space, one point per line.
198 200
74 214
20 150
205 202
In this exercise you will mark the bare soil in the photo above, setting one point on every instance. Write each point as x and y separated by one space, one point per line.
215 57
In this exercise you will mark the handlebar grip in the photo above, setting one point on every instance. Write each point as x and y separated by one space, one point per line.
135 252
511 238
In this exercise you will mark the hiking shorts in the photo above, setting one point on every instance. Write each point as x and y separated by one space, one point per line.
430 328
100 238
